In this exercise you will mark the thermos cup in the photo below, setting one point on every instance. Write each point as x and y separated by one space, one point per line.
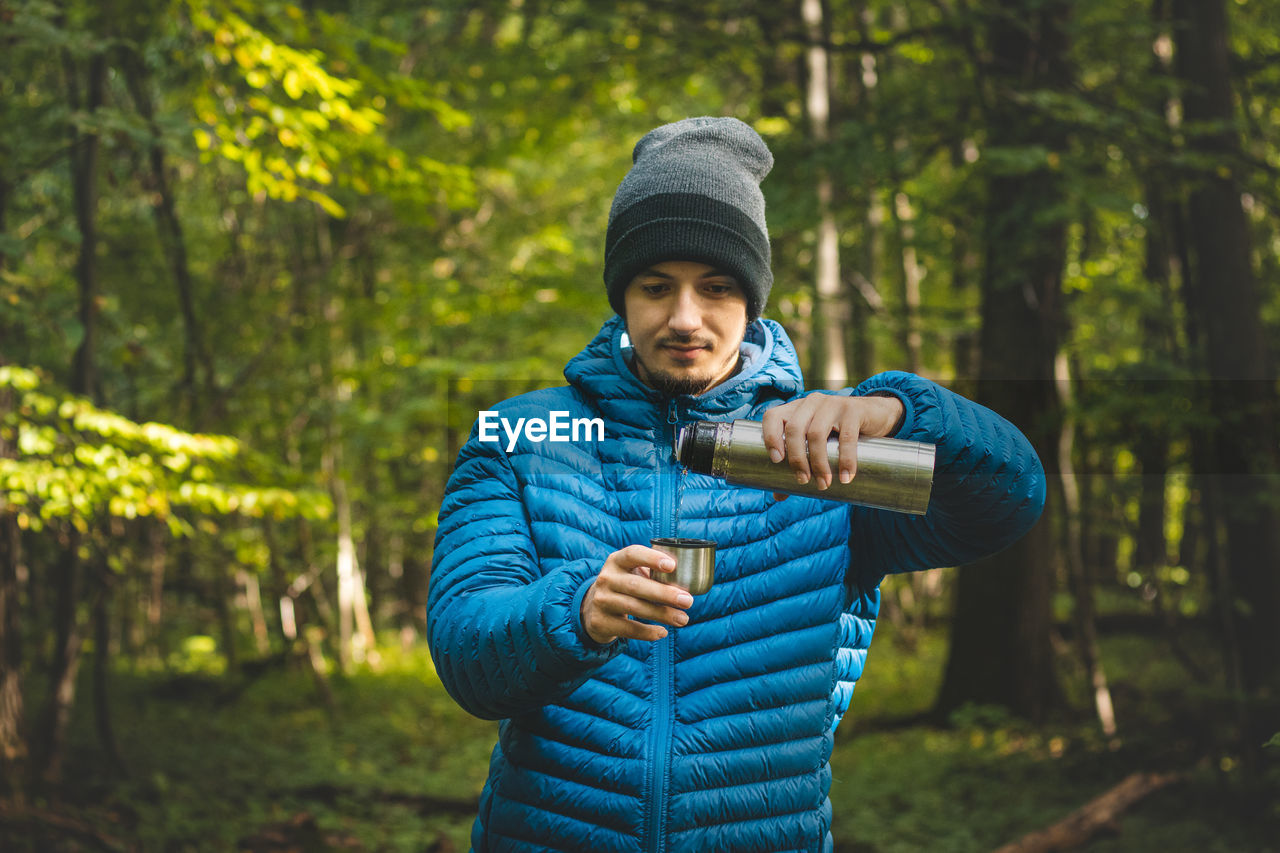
892 474
695 563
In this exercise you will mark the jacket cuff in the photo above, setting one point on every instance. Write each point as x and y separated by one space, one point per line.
587 642
866 389
907 419
559 613
895 383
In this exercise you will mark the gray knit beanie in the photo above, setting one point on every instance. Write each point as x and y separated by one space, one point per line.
693 194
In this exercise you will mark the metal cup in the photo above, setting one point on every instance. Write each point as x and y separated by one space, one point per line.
695 563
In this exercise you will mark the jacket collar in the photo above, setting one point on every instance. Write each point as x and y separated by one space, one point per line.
770 371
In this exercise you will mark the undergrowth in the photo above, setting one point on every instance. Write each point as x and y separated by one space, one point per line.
392 764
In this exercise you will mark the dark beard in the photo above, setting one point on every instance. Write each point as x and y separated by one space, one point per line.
675 386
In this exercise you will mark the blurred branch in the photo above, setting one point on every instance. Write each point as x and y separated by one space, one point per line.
866 290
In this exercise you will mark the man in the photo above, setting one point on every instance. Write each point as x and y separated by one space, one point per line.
635 716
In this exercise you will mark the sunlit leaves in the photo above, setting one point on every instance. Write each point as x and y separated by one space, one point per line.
77 463
299 127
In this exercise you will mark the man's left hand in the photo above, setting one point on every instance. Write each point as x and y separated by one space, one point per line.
798 432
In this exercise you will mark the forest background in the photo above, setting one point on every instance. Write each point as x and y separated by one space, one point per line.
261 263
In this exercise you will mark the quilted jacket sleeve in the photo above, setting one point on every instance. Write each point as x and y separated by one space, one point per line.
988 490
505 636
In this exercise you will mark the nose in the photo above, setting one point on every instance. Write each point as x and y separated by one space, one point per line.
686 313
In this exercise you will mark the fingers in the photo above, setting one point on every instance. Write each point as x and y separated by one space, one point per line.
795 435
797 432
771 426
623 594
848 459
619 616
641 556
784 431
646 596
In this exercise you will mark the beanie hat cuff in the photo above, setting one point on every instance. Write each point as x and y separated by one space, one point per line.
688 227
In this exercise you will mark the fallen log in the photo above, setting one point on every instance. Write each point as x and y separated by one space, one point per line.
1094 816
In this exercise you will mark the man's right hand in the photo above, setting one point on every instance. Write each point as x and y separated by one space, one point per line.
625 588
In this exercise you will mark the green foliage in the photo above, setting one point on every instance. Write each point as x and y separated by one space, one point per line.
985 779
366 770
296 126
80 464
270 759
388 216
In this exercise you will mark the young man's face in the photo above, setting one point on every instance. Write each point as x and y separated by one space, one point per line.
686 321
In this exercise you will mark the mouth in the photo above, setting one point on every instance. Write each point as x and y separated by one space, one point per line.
683 353
684 350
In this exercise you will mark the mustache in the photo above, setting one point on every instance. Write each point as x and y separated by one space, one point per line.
683 342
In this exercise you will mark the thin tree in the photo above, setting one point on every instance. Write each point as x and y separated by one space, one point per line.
86 91
13 743
830 306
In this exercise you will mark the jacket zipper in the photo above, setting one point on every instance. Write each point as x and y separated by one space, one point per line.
664 650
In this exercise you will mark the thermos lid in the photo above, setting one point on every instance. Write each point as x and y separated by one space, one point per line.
696 446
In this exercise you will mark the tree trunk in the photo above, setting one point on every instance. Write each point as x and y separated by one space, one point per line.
1164 270
248 581
84 162
1242 386
65 665
417 565
102 667
8 331
1081 581
13 742
223 593
195 357
912 274
829 314
1000 650
355 629
85 156
964 265
158 540
864 300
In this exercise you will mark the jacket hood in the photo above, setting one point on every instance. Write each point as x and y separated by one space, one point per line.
770 373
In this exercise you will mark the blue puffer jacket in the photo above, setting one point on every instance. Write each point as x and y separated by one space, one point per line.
716 738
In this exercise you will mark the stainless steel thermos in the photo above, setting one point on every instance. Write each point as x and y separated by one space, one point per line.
892 473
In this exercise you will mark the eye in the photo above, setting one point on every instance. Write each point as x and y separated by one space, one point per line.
654 288
720 288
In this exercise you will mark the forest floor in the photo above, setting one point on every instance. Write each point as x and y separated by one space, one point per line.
391 764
